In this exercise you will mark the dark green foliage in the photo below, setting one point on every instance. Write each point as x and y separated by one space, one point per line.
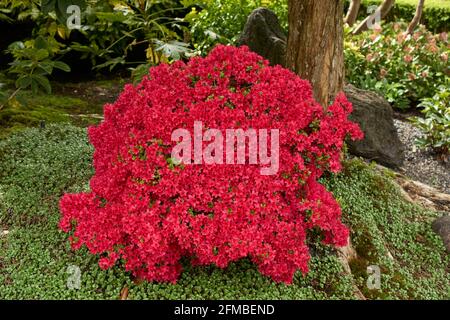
435 123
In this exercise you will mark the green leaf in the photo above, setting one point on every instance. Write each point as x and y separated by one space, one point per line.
40 43
111 16
43 82
21 99
111 63
16 45
4 17
47 6
40 54
172 49
23 81
46 66
61 66
139 72
188 3
34 86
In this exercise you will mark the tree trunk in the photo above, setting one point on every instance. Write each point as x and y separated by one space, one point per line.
382 10
315 45
352 12
415 21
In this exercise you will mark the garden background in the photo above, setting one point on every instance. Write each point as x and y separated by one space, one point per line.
54 82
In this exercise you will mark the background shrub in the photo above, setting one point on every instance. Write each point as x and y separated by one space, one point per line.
112 33
405 69
435 123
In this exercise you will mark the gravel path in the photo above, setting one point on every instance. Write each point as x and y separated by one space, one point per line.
421 165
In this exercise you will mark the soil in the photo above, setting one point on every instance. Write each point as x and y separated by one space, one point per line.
421 164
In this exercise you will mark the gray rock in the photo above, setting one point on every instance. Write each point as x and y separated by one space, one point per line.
264 35
442 227
375 117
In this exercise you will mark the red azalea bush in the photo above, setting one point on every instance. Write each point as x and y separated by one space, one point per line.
149 213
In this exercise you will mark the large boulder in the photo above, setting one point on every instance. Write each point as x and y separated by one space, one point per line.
442 227
264 35
375 117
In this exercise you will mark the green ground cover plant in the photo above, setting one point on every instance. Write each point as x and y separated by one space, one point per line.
38 165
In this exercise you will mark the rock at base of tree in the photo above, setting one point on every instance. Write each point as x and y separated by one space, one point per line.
375 117
264 35
442 227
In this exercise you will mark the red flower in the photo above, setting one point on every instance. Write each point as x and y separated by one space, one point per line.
149 213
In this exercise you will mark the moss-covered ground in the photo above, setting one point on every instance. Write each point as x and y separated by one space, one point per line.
78 103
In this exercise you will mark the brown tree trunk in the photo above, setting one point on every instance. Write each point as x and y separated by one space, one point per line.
352 12
315 45
383 10
415 21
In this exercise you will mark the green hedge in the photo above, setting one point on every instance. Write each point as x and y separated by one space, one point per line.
436 15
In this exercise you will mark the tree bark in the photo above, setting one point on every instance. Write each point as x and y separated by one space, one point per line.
352 12
383 10
415 21
315 45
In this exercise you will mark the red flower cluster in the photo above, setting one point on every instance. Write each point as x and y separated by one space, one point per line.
149 213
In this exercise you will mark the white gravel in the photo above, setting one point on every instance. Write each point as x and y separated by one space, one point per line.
422 165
